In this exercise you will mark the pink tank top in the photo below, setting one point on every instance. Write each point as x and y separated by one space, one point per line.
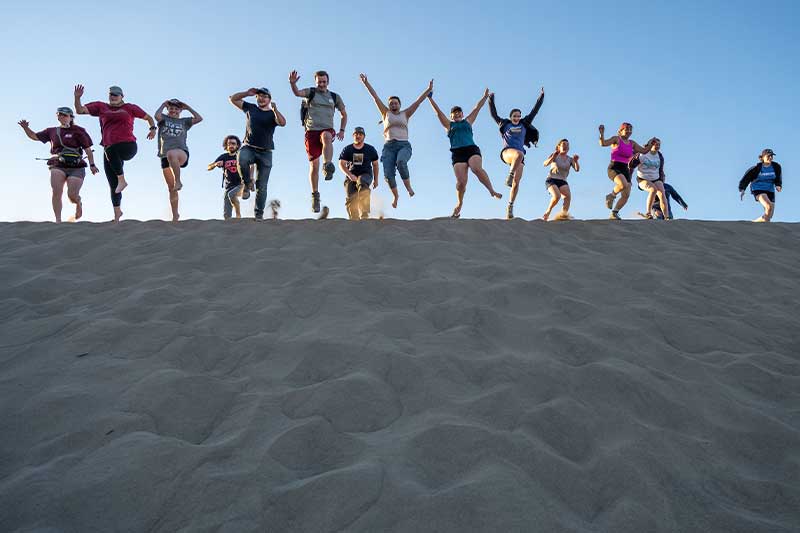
622 152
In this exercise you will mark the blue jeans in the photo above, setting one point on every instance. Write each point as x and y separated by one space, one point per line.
263 161
395 155
230 199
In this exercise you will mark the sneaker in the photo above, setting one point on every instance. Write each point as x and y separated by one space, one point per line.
610 200
509 211
245 193
329 170
614 216
315 202
510 179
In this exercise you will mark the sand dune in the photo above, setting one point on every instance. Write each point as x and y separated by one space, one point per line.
400 376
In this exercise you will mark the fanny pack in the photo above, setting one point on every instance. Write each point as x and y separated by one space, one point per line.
68 157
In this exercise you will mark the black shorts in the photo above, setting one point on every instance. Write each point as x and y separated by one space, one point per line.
770 195
642 183
509 148
165 163
462 155
554 181
616 168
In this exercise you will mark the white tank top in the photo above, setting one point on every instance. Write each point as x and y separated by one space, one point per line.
395 126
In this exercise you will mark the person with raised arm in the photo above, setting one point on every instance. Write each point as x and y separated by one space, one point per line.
68 142
317 113
623 149
119 143
517 133
465 154
560 163
396 148
262 119
764 180
172 147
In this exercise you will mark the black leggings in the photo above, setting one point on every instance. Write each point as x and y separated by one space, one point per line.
115 156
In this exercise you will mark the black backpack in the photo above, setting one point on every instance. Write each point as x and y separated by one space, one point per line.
305 103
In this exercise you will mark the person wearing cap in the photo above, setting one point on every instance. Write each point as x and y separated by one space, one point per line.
119 143
623 149
261 120
396 148
764 179
319 106
172 148
68 143
359 162
464 153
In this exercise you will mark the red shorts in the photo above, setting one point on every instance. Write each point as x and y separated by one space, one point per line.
314 142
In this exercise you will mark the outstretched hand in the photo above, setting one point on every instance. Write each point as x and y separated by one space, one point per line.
541 92
741 195
486 93
23 123
78 90
576 157
340 135
363 78
430 86
93 169
602 129
294 77
151 135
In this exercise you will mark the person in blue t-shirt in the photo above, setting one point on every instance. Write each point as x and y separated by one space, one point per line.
517 133
465 154
764 179
359 162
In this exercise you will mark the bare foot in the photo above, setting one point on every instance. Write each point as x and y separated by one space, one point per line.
456 212
394 202
546 216
78 210
121 185
497 194
760 219
178 185
117 214
175 217
410 192
563 215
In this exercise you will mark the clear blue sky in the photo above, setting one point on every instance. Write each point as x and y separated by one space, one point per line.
715 80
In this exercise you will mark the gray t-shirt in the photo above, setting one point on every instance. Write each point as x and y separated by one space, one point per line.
172 134
559 168
320 111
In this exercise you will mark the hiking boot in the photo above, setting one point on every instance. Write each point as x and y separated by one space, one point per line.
610 200
614 216
329 169
509 211
510 179
315 202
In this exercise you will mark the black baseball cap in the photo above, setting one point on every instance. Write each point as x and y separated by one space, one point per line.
767 151
263 90
359 129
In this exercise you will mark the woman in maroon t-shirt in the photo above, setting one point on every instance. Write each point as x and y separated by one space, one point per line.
68 143
116 126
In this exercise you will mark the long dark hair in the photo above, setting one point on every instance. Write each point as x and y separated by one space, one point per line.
515 110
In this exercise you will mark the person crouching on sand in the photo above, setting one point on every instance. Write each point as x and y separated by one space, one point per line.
67 145
465 154
560 164
764 179
359 162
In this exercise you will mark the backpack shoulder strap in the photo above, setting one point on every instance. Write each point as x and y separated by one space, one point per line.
311 92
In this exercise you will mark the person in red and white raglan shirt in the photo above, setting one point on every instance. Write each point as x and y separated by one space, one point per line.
119 143
68 143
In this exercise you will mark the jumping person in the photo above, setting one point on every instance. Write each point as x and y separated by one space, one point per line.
359 162
118 141
68 142
262 119
319 105
465 154
232 181
650 176
517 133
560 163
172 148
622 150
396 148
764 179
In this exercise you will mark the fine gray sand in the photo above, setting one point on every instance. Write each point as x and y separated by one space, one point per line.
400 376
